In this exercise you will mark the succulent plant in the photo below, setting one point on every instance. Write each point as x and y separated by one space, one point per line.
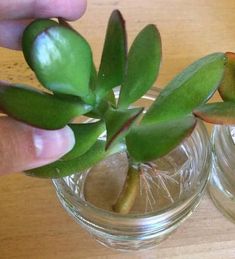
62 61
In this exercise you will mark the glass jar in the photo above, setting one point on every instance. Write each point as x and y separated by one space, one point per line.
222 181
170 189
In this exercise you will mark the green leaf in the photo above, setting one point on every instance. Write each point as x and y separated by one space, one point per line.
39 109
143 65
93 78
113 62
151 141
86 135
30 34
227 87
118 123
217 113
191 88
64 168
62 62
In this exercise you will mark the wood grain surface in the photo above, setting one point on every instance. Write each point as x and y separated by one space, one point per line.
32 222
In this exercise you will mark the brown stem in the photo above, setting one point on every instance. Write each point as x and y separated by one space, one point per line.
130 190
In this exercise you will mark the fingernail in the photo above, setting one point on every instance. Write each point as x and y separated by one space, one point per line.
53 144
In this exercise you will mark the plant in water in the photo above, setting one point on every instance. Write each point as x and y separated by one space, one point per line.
62 61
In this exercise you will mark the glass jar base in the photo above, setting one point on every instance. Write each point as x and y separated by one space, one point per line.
132 245
126 241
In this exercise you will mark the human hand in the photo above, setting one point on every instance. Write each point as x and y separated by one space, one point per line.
24 147
15 15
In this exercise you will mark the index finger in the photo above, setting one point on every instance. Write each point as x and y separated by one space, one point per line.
15 9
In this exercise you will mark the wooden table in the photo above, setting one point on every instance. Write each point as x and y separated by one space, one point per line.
32 222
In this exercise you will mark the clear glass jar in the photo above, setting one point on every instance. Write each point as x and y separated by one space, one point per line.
170 189
222 181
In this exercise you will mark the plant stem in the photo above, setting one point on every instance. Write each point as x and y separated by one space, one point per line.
130 190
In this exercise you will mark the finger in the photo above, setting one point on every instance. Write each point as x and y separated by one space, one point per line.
11 33
23 147
68 9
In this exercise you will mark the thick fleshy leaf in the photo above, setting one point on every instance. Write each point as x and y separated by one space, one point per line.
113 62
143 65
151 141
62 61
31 32
119 122
64 168
39 109
191 88
93 78
217 113
227 87
86 135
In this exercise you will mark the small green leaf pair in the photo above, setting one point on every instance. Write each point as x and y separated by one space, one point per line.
137 72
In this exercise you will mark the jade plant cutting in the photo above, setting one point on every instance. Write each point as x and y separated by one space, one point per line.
62 61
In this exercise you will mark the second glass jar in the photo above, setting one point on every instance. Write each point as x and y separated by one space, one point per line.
222 180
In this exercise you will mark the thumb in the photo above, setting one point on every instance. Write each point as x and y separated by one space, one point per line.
24 147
